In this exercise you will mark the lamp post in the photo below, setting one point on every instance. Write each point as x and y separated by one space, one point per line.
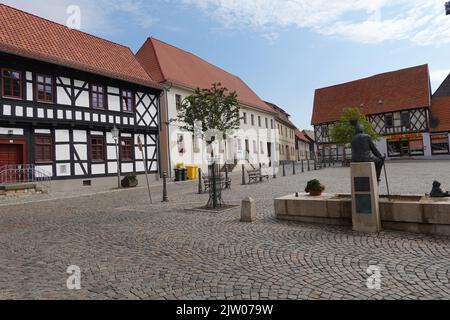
115 134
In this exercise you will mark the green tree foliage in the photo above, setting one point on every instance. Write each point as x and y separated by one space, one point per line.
214 108
343 131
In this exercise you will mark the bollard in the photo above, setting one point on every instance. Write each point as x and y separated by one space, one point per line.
165 198
284 169
260 173
315 164
275 170
200 187
309 166
243 175
248 210
227 186
303 165
293 168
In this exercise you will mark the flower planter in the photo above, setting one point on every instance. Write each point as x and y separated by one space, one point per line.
315 193
129 182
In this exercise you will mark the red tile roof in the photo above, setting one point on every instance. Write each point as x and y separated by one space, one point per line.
310 134
165 62
282 115
397 90
33 37
301 135
440 109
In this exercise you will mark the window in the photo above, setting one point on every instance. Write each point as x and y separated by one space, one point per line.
271 123
253 119
259 121
97 97
439 144
239 144
178 101
180 144
44 88
416 147
127 101
389 120
255 147
43 149
12 83
261 147
97 149
126 149
245 118
404 119
195 144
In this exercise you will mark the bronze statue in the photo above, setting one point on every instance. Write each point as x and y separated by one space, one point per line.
364 149
437 192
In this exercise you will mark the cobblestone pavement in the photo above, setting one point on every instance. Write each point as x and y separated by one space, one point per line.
127 249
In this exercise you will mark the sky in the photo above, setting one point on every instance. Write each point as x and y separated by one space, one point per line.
283 49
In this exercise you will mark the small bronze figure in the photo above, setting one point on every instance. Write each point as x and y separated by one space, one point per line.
437 192
364 149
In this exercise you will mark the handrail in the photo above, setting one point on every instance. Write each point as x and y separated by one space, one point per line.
26 173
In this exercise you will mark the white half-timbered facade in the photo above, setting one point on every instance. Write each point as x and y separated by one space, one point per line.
61 96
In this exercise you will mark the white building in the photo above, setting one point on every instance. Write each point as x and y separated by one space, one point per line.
181 73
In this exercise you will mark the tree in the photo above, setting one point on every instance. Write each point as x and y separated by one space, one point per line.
343 131
215 110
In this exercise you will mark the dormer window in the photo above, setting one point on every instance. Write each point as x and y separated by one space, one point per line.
12 83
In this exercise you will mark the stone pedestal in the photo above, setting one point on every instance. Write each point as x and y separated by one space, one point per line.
365 198
248 210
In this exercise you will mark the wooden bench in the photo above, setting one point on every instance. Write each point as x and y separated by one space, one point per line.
256 176
225 183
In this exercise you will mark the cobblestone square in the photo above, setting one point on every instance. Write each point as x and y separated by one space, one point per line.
127 249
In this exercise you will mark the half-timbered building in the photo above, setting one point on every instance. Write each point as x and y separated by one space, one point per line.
397 103
62 92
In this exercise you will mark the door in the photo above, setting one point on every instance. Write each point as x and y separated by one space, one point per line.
404 147
247 149
10 155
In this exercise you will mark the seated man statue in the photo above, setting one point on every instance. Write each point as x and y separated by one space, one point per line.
364 149
437 192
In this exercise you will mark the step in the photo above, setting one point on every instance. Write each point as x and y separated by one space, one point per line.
17 186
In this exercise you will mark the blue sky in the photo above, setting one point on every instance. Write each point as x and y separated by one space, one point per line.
283 49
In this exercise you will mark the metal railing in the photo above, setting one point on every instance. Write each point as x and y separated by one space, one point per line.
27 173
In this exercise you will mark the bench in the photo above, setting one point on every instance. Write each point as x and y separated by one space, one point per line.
256 176
225 183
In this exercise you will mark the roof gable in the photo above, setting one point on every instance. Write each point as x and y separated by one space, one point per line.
398 90
165 62
33 37
440 109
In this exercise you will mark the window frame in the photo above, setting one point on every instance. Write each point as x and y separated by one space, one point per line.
36 83
49 145
128 147
179 103
402 114
102 139
124 97
92 92
391 116
21 81
431 144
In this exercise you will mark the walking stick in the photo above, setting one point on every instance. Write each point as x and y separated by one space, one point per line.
385 174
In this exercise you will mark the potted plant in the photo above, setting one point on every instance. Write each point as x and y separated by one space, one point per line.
130 181
314 188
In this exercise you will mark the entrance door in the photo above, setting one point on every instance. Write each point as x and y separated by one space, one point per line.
404 147
247 149
269 153
10 154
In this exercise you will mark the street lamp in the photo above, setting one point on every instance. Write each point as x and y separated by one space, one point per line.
115 134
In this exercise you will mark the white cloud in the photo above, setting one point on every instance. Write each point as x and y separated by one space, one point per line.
437 76
422 22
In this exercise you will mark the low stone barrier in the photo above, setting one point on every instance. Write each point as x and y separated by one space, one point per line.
411 213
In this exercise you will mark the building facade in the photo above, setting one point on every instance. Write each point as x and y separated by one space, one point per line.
398 105
285 146
181 72
302 146
62 95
